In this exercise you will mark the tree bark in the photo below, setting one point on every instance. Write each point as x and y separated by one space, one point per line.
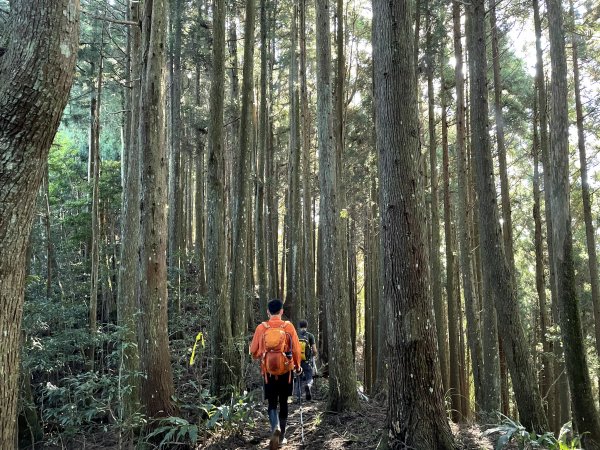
560 388
294 249
237 283
495 267
585 413
342 381
441 323
585 187
312 313
416 414
260 211
547 369
38 65
451 291
220 330
157 384
465 215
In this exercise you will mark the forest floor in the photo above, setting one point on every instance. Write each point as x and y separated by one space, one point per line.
327 430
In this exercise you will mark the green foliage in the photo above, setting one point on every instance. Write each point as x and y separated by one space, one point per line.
512 433
174 430
214 417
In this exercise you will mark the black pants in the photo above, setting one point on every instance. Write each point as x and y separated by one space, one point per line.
277 390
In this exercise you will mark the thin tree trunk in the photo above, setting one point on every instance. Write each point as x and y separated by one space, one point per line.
495 268
451 294
220 330
561 387
585 187
441 323
237 284
465 216
200 199
547 366
504 189
293 212
260 211
307 219
585 413
129 273
342 381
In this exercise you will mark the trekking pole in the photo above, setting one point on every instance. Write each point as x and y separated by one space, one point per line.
299 379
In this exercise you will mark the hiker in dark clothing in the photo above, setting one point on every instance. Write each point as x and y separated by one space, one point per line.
308 350
276 344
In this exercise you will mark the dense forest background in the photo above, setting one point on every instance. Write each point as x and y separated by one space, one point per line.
418 179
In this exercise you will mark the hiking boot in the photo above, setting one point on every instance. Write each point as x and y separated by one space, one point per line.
308 394
274 442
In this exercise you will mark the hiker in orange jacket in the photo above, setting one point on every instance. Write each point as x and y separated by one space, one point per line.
276 344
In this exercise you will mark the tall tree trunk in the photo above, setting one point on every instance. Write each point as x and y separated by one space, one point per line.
451 292
585 414
342 374
293 213
547 369
369 342
176 228
260 211
157 383
39 64
312 312
220 331
465 216
94 181
237 284
129 273
441 324
490 374
200 198
352 294
585 187
504 190
271 203
495 268
560 388
416 415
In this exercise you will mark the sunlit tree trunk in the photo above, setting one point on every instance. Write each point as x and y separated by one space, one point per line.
547 369
342 374
464 215
585 413
308 231
585 186
495 267
293 212
441 323
561 387
416 414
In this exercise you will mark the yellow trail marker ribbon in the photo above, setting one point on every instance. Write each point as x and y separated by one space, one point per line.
199 337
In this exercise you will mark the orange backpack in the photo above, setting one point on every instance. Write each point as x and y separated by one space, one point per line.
276 343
